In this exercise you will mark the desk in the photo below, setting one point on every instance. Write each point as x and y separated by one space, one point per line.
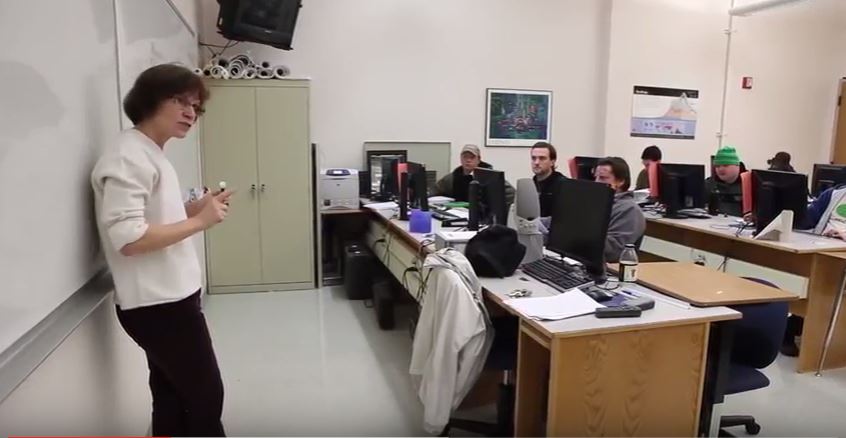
706 287
586 376
647 376
819 259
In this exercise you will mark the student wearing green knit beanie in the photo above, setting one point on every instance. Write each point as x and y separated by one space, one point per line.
725 190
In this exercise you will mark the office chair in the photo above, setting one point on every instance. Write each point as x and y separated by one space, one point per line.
757 338
502 357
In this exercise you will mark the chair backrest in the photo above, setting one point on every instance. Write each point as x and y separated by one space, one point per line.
759 334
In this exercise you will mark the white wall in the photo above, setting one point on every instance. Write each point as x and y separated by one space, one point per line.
190 11
666 43
796 56
416 70
93 384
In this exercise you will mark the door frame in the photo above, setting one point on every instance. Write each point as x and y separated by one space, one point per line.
841 90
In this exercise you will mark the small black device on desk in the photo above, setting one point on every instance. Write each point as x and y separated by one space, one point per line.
618 312
449 220
599 295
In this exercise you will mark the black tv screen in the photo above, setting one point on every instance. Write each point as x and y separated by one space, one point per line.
269 22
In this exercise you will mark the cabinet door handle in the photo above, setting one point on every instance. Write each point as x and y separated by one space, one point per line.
263 186
253 188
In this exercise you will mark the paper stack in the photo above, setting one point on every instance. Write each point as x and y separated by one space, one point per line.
561 306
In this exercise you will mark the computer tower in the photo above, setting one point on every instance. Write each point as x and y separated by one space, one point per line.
383 303
358 271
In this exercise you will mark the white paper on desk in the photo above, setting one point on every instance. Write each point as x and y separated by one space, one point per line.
440 200
459 213
561 306
382 206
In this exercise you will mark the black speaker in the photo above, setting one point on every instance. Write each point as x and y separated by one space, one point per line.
269 22
365 190
403 197
474 210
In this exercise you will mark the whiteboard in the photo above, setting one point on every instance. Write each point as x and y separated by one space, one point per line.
58 110
151 32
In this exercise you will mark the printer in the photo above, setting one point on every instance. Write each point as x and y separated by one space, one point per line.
338 189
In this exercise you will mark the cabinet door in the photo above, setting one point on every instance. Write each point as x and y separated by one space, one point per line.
285 171
229 154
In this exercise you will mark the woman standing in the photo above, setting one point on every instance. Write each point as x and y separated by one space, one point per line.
144 226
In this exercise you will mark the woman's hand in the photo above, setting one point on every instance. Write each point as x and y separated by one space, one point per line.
193 208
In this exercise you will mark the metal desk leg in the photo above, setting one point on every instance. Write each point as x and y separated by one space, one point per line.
829 334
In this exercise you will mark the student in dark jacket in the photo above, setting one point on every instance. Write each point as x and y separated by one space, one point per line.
650 155
725 189
781 162
456 184
544 157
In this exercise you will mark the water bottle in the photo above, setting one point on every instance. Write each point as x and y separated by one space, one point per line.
628 264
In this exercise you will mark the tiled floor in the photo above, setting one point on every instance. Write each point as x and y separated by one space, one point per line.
314 363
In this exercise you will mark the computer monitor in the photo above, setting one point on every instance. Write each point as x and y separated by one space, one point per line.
418 194
579 225
374 164
492 209
681 186
826 176
388 187
583 167
774 192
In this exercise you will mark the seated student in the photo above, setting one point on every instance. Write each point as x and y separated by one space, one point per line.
781 162
650 155
627 223
544 157
457 183
826 216
726 189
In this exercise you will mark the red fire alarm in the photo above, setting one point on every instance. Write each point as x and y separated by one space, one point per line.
747 83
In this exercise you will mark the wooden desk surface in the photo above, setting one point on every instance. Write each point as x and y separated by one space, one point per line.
704 287
665 314
800 242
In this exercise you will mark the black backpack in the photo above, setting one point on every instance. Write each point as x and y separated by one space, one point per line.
495 252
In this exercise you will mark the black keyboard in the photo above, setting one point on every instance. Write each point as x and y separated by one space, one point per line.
443 216
555 274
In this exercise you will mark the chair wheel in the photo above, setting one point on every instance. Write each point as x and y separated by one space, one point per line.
753 429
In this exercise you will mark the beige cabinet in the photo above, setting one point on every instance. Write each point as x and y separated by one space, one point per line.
255 137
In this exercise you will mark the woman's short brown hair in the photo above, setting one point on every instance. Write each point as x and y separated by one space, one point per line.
158 84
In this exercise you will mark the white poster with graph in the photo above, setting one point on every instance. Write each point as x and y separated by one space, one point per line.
664 112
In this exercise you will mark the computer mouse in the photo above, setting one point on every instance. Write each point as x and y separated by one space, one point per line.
599 295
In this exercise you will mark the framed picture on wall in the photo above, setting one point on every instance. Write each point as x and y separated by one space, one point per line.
661 112
518 117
